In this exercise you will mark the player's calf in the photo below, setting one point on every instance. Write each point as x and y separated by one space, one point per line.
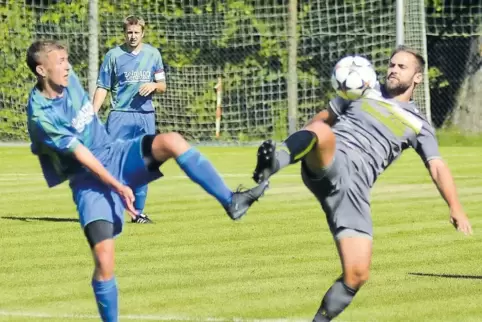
201 171
338 297
355 249
100 236
316 137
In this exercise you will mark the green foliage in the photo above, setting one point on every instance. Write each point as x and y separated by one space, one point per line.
242 41
438 5
437 79
15 36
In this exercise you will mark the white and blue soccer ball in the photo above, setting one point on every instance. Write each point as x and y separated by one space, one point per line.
352 76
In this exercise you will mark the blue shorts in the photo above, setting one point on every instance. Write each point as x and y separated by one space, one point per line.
129 125
96 201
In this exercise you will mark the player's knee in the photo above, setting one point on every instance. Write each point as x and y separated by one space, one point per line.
171 144
104 260
323 133
356 276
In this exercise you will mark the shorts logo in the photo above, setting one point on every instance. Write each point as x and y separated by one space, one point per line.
84 117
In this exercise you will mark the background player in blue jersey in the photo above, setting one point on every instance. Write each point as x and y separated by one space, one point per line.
344 149
72 144
132 73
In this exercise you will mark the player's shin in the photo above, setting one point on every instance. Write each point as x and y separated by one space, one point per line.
338 297
201 171
295 147
106 298
140 194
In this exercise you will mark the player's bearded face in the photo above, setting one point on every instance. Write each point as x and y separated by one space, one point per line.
396 85
134 35
56 67
401 73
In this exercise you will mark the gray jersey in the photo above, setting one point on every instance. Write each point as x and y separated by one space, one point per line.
377 130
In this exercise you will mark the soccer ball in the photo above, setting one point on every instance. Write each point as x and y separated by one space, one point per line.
352 76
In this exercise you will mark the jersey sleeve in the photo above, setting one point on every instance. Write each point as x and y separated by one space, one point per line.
426 144
338 105
159 73
106 72
55 133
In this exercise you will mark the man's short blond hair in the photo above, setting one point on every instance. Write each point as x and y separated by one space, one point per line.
40 47
133 20
415 53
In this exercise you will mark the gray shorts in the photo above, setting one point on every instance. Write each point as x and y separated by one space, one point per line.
343 195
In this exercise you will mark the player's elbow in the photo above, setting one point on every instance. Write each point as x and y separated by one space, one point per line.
436 167
100 91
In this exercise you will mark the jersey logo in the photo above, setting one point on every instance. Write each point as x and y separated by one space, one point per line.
394 117
84 117
136 76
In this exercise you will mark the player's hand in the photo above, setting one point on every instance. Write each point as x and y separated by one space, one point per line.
147 89
128 198
460 221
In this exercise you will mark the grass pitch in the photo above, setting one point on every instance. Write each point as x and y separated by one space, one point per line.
194 263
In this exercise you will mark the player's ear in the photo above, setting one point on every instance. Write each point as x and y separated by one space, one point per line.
418 78
41 70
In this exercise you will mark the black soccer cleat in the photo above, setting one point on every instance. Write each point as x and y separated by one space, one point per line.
141 219
242 200
266 164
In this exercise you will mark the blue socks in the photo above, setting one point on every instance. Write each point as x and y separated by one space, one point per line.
141 194
106 297
201 171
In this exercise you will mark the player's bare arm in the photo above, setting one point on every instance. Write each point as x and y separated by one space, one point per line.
153 87
99 98
325 115
444 181
86 158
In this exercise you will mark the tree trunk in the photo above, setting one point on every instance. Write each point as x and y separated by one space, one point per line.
468 112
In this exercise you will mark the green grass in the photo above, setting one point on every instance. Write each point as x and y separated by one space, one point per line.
277 262
452 136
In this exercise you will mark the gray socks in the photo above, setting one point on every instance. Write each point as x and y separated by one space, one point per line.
338 297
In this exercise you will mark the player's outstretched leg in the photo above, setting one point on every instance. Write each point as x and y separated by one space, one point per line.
315 138
172 145
355 252
100 237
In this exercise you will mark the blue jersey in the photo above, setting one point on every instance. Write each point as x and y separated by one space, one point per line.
122 73
57 126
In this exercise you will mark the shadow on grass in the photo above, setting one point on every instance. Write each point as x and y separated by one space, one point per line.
469 277
52 219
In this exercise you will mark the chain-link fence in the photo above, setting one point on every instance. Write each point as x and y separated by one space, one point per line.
454 42
243 42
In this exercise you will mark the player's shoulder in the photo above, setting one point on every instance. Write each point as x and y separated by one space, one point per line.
150 49
39 108
114 52
37 102
413 109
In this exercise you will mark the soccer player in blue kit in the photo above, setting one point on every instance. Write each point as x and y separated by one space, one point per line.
72 144
132 73
344 149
